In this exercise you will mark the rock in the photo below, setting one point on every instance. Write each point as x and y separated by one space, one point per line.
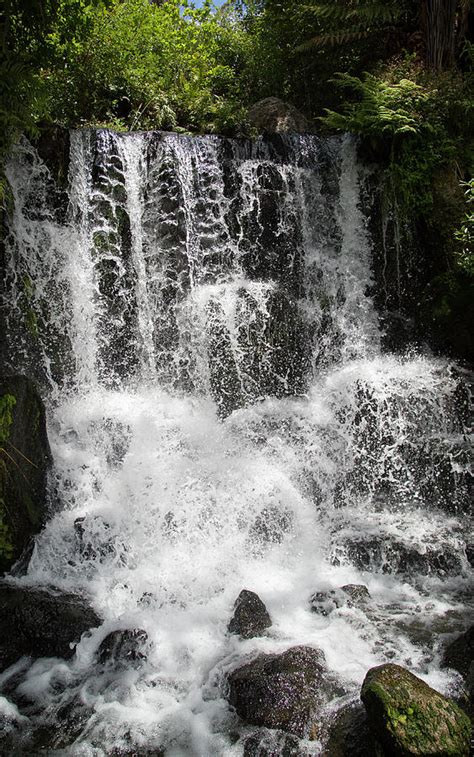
357 592
272 115
408 717
282 691
349 734
265 743
350 595
123 648
40 622
271 525
93 538
24 460
390 556
53 146
459 654
250 616
470 554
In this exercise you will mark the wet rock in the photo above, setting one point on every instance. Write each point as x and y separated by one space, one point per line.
408 717
389 556
350 595
24 461
250 616
93 538
349 734
470 554
140 752
271 525
272 115
124 647
265 743
459 654
41 622
53 146
357 592
283 691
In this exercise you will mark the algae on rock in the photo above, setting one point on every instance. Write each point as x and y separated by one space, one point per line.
408 717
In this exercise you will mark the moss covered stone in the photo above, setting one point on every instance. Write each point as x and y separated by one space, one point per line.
408 717
24 459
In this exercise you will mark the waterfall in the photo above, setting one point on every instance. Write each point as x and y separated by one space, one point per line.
199 314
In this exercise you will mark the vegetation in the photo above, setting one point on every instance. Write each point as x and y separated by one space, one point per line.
396 72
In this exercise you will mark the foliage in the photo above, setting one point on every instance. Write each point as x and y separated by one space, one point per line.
424 119
465 234
143 65
346 21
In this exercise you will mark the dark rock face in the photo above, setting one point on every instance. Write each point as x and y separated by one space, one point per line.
272 115
124 648
53 147
349 734
40 623
390 556
280 690
24 460
250 616
408 717
459 654
324 602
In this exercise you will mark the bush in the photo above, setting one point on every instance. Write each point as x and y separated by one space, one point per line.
143 65
424 119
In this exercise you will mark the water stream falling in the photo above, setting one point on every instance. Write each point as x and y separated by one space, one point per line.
198 313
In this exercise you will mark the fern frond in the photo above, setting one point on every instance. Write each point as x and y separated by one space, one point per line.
370 12
340 37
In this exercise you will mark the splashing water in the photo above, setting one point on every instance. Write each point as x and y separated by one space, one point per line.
221 416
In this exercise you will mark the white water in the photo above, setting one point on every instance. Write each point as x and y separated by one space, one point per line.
180 420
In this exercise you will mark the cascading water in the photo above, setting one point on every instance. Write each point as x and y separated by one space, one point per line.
198 312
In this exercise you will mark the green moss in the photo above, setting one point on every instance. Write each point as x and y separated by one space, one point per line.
30 317
411 718
31 322
7 403
6 544
6 537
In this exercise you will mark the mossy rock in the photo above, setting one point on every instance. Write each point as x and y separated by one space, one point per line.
408 717
24 460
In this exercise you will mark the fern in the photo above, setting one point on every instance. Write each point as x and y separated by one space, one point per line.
346 21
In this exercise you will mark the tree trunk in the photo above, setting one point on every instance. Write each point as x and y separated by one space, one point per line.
439 31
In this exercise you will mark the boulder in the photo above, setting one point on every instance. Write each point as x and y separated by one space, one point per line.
250 616
349 734
265 743
40 622
382 553
408 717
283 691
273 115
24 460
350 595
123 648
459 654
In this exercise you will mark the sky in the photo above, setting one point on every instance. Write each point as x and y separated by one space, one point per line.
199 3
